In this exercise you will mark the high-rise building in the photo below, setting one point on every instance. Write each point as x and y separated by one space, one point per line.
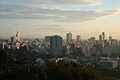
103 36
69 37
68 49
15 38
100 38
47 38
56 45
103 39
110 40
78 38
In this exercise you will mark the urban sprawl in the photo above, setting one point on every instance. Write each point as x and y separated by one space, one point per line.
101 54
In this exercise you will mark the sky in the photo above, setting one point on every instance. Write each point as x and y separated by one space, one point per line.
39 18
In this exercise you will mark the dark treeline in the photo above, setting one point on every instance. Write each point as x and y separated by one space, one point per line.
61 70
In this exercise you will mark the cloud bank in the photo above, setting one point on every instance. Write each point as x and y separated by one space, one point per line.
29 9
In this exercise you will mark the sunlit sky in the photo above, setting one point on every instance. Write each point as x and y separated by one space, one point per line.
39 18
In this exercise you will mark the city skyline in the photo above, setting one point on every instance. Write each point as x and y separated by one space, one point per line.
68 37
38 18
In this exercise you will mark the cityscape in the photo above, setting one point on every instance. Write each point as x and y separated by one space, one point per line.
55 43
102 54
59 40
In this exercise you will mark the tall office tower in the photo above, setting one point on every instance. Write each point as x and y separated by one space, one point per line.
47 38
78 38
17 36
56 45
103 39
100 38
103 36
110 40
69 37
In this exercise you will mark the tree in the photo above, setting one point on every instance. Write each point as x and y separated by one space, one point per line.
63 70
3 57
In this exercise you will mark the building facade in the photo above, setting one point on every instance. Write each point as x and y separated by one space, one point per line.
69 37
78 38
56 45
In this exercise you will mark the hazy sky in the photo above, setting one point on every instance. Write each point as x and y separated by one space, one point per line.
39 18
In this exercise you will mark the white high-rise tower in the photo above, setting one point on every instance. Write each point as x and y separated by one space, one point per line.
69 37
17 36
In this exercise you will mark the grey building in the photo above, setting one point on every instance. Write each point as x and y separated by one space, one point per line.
56 45
69 37
47 38
78 38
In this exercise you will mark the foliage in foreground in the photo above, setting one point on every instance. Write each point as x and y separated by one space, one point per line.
61 70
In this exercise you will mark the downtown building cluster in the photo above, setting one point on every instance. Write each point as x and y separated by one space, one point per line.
94 50
57 46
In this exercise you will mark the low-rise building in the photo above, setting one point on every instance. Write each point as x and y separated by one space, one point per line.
109 64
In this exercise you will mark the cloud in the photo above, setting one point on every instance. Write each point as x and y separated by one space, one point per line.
26 9
56 15
50 28
62 2
77 2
